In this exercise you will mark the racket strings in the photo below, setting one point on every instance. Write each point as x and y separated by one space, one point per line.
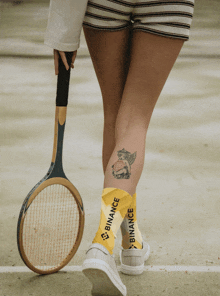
50 227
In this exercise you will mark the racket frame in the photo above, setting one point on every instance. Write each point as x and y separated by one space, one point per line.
27 203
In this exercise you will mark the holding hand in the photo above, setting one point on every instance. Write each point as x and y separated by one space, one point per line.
63 57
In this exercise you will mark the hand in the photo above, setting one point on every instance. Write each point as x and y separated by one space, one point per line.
63 57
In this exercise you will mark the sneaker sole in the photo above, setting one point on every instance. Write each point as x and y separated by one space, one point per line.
103 278
134 270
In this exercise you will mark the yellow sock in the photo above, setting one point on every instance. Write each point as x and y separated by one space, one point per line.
114 206
131 236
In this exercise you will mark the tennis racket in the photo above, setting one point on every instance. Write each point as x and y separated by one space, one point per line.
51 220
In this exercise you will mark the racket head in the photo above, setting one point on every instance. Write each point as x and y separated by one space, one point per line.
50 225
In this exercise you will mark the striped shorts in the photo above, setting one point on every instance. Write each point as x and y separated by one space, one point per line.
168 18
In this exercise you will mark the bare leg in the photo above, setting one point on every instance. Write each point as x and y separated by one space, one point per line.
110 55
152 58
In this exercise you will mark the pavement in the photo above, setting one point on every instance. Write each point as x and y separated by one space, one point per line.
178 195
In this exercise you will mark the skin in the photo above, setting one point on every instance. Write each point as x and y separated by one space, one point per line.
141 63
63 57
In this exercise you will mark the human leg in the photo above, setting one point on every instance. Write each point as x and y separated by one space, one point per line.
111 63
110 56
152 58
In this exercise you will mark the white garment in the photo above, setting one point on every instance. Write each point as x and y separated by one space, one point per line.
65 24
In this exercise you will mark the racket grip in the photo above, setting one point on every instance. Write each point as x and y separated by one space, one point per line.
63 81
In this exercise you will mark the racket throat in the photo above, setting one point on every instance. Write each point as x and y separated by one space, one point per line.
56 169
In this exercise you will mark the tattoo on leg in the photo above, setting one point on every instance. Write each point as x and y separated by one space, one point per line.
122 167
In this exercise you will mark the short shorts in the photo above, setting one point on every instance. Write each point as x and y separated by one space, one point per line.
169 18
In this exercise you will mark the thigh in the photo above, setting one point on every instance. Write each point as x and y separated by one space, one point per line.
152 58
110 55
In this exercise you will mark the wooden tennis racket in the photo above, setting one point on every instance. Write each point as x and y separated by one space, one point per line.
51 220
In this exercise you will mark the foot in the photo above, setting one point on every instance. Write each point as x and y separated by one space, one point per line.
132 260
100 268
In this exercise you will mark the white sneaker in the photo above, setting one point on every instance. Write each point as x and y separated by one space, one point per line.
132 260
100 268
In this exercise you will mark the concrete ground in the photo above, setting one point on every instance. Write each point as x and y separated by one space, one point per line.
178 194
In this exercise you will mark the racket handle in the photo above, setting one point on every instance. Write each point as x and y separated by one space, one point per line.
63 81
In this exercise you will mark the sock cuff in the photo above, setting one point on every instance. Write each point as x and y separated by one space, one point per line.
113 190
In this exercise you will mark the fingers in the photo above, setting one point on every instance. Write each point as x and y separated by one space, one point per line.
73 58
63 57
